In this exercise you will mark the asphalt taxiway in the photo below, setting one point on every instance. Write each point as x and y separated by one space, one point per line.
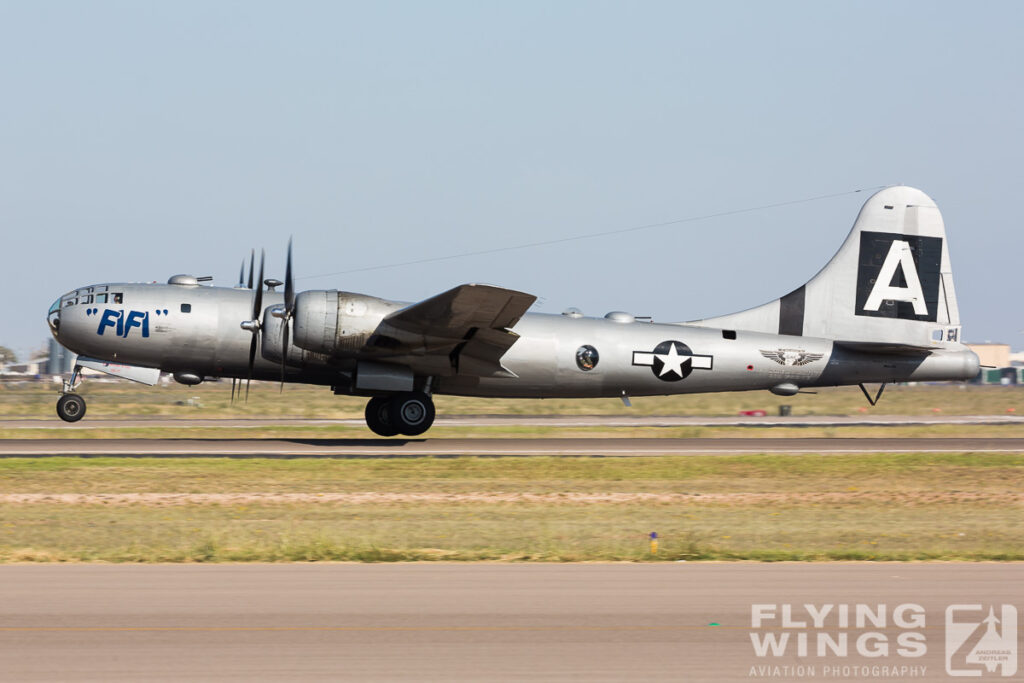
511 447
469 622
91 423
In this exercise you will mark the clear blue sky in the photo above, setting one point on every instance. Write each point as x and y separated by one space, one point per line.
139 140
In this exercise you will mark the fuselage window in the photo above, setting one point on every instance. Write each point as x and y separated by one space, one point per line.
186 308
586 357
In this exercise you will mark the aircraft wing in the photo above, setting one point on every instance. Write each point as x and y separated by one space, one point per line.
466 327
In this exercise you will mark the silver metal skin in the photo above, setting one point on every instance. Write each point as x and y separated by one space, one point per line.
883 310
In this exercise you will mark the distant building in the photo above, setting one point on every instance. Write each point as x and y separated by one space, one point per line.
996 364
21 370
992 355
61 361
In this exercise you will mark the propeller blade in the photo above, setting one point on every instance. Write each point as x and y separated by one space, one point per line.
257 305
289 310
257 308
252 264
241 273
289 285
252 362
284 349
233 381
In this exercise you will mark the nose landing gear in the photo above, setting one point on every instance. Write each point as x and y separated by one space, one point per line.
409 413
71 406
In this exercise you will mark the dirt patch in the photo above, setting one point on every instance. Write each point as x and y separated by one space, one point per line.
566 498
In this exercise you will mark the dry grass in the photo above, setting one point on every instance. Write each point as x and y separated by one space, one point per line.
508 531
767 507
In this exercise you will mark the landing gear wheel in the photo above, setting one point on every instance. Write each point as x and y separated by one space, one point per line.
412 413
71 407
378 416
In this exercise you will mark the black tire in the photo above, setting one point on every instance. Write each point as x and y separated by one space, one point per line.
412 413
378 416
71 407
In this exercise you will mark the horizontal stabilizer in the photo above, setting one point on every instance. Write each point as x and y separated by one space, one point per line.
884 348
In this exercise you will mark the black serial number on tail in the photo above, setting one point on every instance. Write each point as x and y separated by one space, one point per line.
898 276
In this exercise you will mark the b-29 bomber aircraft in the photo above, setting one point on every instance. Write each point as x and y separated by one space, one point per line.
882 310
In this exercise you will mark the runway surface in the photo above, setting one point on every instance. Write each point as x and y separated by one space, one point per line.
610 447
532 421
467 622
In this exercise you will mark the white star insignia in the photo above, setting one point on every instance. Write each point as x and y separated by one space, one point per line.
671 361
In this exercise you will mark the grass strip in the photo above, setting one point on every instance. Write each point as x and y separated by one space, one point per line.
947 506
509 532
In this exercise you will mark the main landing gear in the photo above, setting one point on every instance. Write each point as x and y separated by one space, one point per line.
409 414
71 406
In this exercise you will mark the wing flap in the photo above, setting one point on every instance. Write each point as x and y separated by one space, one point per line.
481 354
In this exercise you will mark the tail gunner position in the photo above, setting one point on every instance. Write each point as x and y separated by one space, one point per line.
882 310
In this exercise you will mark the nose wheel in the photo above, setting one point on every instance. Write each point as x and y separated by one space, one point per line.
71 407
410 414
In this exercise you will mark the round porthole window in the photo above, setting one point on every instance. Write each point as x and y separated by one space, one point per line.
586 357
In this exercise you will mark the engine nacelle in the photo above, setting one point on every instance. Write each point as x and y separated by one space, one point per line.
337 323
270 344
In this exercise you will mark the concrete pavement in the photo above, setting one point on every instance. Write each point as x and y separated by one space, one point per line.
451 622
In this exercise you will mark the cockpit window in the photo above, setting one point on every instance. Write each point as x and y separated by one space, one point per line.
117 297
70 302
101 298
87 299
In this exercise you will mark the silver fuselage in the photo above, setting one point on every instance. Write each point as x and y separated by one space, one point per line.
195 329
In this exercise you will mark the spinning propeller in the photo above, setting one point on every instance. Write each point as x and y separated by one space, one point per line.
287 311
252 325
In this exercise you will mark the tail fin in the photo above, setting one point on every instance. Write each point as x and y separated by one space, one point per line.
890 283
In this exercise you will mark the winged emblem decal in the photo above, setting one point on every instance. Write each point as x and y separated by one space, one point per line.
791 356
